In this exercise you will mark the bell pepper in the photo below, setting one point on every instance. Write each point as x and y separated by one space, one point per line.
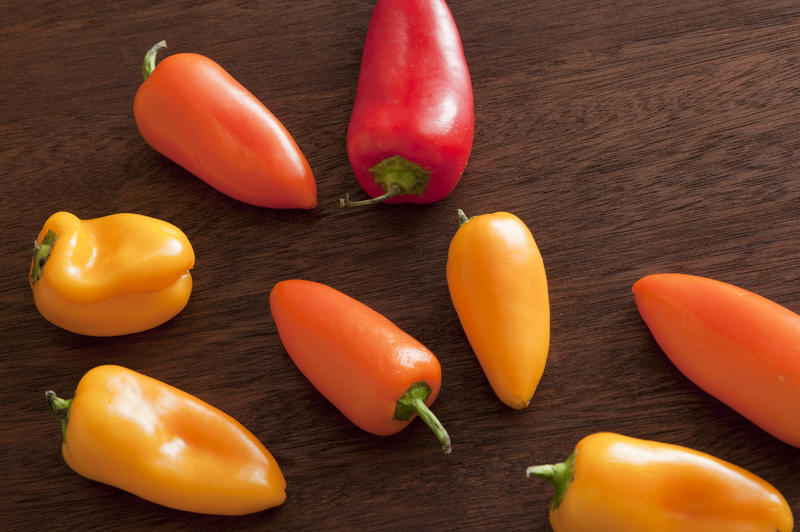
113 275
740 347
164 445
377 375
192 111
498 286
411 129
615 483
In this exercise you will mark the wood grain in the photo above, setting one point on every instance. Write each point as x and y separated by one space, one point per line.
633 137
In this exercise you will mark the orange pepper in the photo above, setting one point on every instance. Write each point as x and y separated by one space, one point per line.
615 483
377 375
498 286
736 345
143 436
118 274
192 111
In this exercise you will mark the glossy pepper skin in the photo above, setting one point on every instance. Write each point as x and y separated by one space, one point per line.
498 286
377 375
741 348
615 483
164 445
113 275
411 129
192 111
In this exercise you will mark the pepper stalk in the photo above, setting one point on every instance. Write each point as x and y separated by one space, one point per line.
397 176
41 252
149 61
60 407
559 474
413 402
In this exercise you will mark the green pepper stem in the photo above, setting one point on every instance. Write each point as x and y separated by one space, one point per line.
396 175
559 474
394 190
149 61
41 252
462 218
413 402
60 407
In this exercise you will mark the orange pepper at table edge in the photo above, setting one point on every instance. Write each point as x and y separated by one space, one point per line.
113 275
195 113
376 374
615 483
741 348
164 445
498 286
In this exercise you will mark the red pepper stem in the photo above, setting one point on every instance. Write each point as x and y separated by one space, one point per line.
559 474
394 190
149 61
41 252
396 175
413 402
60 407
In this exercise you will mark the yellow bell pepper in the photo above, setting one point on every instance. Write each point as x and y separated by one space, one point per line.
615 483
118 274
498 287
153 440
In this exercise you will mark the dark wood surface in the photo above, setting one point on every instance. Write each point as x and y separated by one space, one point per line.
632 137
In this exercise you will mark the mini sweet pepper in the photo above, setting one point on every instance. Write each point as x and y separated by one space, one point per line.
375 373
113 275
164 445
498 286
194 112
740 347
411 129
615 483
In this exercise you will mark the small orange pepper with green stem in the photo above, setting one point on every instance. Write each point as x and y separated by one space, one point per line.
498 286
113 275
615 483
376 374
194 112
164 445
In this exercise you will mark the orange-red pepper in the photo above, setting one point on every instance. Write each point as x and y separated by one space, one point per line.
736 345
195 113
498 285
153 440
614 483
113 275
373 372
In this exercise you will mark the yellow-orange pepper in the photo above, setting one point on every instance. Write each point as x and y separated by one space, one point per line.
498 287
153 440
118 274
615 483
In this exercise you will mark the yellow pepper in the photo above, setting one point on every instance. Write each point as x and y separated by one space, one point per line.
616 483
498 287
153 440
118 274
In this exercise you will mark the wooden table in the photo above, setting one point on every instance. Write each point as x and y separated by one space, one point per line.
632 137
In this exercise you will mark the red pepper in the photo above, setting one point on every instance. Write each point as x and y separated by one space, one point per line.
195 113
410 133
